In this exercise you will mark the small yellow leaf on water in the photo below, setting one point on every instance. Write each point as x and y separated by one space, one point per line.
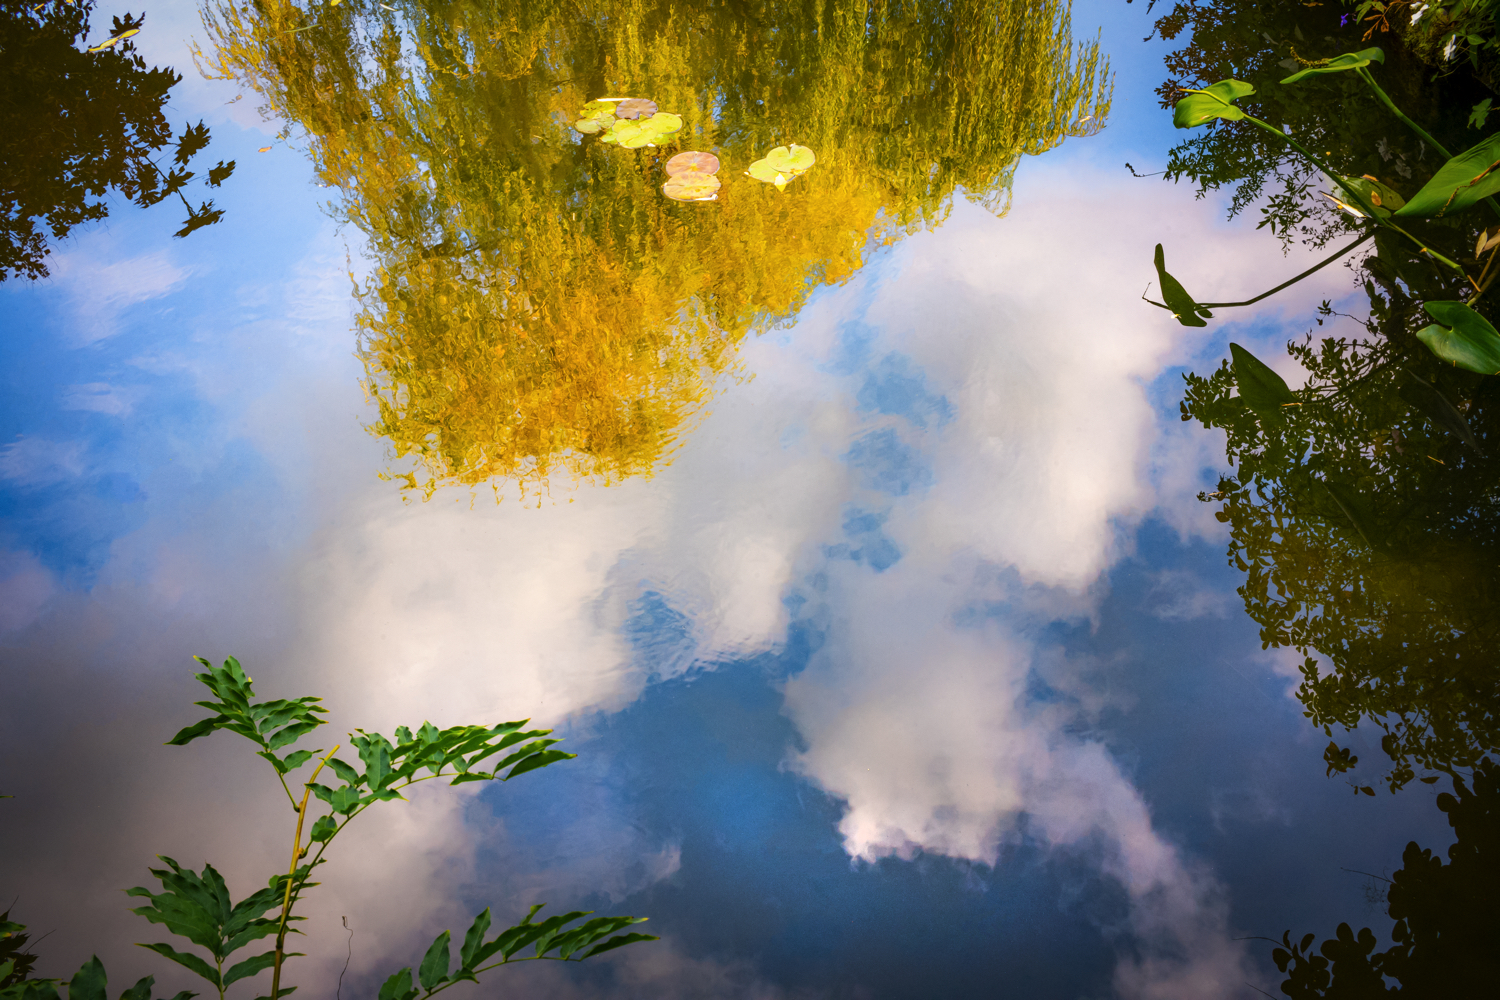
264 149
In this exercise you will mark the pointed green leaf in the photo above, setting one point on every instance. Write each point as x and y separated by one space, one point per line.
474 939
1435 406
1357 510
89 982
1462 337
344 771
1262 389
249 967
1187 311
1461 182
323 830
1340 64
142 990
433 971
539 760
1201 106
619 942
293 733
196 730
187 961
398 987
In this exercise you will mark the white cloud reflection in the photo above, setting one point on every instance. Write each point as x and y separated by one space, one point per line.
986 521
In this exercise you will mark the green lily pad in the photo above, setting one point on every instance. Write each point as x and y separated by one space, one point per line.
1201 106
1462 337
635 107
598 111
691 185
762 170
662 123
1459 183
706 163
1347 61
791 160
589 126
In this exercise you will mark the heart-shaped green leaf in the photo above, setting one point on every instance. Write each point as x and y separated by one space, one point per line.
1462 337
791 159
1339 64
1187 311
1461 182
762 170
1200 106
1262 389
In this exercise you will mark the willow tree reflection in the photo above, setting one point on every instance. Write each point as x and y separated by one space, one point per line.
536 303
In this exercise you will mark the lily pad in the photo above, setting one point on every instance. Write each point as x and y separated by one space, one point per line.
790 160
589 126
646 132
706 163
762 170
691 185
635 107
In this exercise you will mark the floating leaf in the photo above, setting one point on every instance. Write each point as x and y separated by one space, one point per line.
762 170
1459 183
264 149
1462 337
662 123
110 42
706 163
791 160
1340 64
635 107
588 126
1200 106
1262 389
645 132
597 110
1176 297
691 185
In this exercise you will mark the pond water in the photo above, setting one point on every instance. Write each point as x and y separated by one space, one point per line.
842 520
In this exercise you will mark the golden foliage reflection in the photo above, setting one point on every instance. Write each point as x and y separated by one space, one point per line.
536 303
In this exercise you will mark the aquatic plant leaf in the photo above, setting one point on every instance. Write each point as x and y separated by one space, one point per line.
791 160
1384 198
762 170
1262 389
598 111
1435 407
1462 337
635 107
589 126
691 185
1201 106
1461 182
705 163
662 123
1176 297
1340 64
109 42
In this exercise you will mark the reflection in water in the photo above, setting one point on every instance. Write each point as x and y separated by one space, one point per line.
1368 521
537 304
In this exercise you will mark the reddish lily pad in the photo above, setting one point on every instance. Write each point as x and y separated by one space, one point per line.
635 107
706 163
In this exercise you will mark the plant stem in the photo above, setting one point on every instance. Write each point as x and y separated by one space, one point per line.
291 875
1365 75
1316 267
1354 195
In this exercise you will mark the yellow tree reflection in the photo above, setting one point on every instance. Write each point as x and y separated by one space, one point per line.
536 303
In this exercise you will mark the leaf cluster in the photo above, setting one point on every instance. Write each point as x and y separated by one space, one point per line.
88 983
1365 512
77 124
436 971
1443 940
